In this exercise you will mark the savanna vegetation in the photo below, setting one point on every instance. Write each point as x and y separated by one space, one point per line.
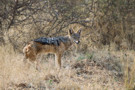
104 60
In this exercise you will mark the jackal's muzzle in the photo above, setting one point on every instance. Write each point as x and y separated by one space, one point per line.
77 42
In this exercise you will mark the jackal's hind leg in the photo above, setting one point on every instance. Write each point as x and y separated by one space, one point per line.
37 62
37 65
24 60
58 60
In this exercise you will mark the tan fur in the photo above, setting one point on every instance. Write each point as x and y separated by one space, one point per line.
33 49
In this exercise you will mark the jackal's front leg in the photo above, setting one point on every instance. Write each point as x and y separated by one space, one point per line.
58 60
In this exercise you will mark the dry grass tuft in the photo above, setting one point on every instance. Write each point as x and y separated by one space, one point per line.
68 84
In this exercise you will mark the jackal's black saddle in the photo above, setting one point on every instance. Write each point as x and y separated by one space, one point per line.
53 40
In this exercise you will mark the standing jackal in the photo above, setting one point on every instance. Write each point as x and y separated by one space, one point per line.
55 45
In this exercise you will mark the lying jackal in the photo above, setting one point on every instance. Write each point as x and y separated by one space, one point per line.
55 45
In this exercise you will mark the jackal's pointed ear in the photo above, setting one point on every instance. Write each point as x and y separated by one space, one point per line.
71 31
79 31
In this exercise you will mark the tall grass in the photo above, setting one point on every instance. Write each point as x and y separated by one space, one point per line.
86 75
129 75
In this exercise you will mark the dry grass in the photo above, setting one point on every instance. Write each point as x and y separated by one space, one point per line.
96 70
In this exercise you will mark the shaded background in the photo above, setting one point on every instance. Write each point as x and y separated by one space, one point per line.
105 22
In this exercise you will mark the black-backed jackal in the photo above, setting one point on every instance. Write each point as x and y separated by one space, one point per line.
55 45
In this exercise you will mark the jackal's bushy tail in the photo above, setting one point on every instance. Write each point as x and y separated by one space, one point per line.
29 52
